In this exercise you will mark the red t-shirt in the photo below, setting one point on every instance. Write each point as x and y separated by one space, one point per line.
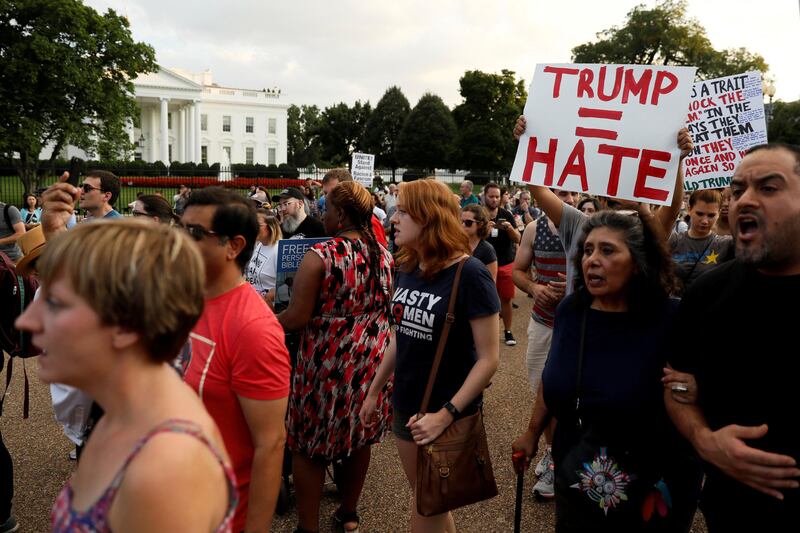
238 349
380 234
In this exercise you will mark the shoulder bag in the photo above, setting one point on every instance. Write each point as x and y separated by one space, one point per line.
455 469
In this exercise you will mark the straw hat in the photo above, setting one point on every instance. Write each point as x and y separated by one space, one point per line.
32 245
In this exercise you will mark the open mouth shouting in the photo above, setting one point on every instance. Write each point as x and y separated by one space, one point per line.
748 226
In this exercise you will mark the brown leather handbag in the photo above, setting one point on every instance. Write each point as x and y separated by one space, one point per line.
455 469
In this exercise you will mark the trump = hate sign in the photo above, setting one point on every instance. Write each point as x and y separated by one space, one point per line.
609 130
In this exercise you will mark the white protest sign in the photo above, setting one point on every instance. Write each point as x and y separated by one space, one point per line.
608 130
726 117
362 168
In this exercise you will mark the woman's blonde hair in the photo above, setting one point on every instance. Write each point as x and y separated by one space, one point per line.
431 204
275 233
148 278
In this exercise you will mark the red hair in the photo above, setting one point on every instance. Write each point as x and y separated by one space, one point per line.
431 204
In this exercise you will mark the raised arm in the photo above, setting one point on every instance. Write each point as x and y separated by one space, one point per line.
545 198
666 215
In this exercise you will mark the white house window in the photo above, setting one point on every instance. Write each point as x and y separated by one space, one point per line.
248 127
204 154
272 125
226 123
248 156
228 152
271 156
169 150
203 122
169 121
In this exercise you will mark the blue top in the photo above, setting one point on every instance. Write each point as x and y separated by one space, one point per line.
31 217
419 308
112 214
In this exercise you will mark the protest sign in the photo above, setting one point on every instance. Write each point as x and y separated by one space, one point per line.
608 130
362 168
290 254
726 117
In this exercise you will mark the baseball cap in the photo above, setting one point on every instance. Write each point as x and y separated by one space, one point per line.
291 192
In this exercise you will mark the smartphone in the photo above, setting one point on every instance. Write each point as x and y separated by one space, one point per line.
75 166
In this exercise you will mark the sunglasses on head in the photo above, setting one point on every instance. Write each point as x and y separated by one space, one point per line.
468 223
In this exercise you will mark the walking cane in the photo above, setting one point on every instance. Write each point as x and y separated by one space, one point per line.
518 458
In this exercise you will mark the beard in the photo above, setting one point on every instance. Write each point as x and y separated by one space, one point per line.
290 224
778 245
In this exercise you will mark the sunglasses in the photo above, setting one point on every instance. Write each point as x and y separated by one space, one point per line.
199 233
468 223
89 188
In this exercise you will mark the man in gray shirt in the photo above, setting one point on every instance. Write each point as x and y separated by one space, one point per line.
11 228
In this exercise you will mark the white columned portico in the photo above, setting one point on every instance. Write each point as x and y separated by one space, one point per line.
196 108
164 155
190 135
151 141
181 136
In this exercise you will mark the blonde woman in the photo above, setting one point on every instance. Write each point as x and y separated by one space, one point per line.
118 300
263 266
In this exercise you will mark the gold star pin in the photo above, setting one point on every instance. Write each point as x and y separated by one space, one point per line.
711 258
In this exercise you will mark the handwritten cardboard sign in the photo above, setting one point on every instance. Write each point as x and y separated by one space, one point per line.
609 130
726 117
362 168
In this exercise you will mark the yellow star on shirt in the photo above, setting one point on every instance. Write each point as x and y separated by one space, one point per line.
711 258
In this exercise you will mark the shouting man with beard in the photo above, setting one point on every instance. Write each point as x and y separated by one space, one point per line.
736 340
295 224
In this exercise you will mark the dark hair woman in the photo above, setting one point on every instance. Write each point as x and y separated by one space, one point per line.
619 463
156 207
432 244
341 299
475 221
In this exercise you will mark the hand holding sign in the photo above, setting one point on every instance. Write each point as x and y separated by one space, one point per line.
594 129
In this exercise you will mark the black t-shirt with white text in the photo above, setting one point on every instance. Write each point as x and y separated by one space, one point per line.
419 308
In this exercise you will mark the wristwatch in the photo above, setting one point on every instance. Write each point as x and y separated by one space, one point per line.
452 409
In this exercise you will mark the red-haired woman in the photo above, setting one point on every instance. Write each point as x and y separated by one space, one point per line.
432 244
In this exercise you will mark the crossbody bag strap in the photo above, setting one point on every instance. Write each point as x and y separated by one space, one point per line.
449 319
581 350
694 266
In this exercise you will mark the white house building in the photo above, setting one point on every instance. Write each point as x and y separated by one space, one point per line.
187 117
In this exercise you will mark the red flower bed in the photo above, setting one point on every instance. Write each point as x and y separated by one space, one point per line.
198 182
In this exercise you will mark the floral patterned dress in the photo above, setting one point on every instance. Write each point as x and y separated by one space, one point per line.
340 351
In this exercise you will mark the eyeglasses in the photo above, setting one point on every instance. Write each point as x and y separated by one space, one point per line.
468 223
284 205
89 188
198 232
140 214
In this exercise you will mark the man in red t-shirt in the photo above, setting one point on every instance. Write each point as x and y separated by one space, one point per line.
238 364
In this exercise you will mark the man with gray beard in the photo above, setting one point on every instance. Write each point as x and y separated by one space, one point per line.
295 224
737 341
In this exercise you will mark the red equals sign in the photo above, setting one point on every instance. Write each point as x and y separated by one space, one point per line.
588 112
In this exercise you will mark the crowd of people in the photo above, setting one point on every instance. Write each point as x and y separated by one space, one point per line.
195 406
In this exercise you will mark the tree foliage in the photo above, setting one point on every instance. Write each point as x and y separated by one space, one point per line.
303 143
427 139
664 35
65 78
341 131
784 125
491 102
384 126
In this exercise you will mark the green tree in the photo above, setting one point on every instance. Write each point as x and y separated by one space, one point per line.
784 126
384 126
663 35
428 136
491 103
341 131
303 144
65 79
